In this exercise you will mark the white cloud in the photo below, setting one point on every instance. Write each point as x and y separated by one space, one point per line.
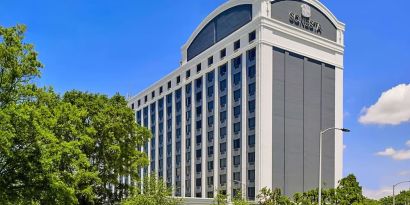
404 173
395 154
377 193
382 192
392 108
408 143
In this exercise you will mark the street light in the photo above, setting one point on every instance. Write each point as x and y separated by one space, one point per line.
394 187
320 157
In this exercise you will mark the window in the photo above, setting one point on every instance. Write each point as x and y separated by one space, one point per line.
237 95
198 68
251 158
178 79
222 70
236 45
222 85
199 124
237 160
252 55
198 139
198 83
188 156
210 91
210 106
237 62
188 143
198 111
160 90
132 106
146 98
198 154
222 101
252 36
251 140
210 120
237 144
237 111
210 165
222 179
251 175
222 117
169 85
251 122
251 106
237 78
210 150
237 176
210 181
223 53
222 132
198 182
210 61
188 101
210 76
198 97
210 136
252 89
222 163
222 148
251 193
188 74
139 103
210 194
178 160
237 127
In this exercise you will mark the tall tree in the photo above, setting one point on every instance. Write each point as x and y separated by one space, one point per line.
113 150
61 150
18 64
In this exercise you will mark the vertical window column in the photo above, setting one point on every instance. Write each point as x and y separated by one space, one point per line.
146 146
209 136
160 142
178 137
236 124
198 137
169 140
250 121
222 121
153 139
188 140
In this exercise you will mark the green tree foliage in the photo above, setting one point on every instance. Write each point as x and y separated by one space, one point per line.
154 192
269 197
61 150
220 198
238 199
349 191
18 64
115 137
401 199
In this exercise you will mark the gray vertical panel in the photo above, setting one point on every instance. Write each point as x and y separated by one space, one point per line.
312 100
278 122
328 120
293 124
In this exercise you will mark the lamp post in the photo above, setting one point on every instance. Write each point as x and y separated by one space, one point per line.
394 187
320 157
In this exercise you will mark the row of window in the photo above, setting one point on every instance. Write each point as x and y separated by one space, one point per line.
222 55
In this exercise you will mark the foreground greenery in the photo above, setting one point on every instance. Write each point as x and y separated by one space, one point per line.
73 148
68 149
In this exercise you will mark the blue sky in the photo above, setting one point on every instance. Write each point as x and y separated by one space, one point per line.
124 46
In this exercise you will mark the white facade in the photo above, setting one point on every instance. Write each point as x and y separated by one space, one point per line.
270 33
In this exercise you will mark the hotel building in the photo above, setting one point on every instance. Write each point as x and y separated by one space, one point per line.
258 81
